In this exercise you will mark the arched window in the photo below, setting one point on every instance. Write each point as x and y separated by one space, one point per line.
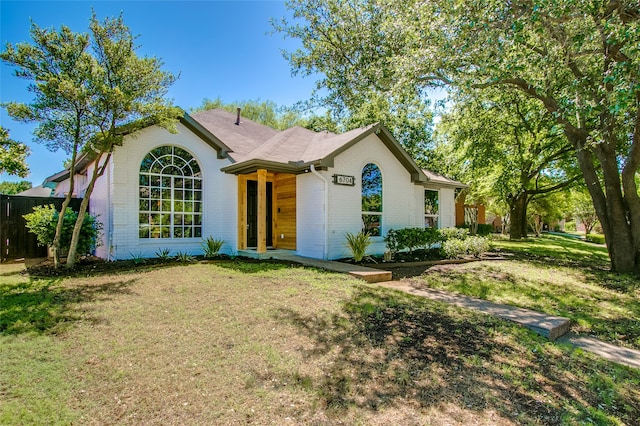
170 203
372 200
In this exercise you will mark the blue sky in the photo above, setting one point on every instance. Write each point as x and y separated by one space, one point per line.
219 49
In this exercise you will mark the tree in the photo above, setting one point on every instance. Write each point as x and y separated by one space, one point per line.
507 149
90 90
583 209
13 155
579 60
12 188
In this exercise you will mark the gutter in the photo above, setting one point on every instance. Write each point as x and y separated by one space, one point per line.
325 254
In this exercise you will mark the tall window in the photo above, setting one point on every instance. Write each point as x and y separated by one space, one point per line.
431 208
372 200
170 195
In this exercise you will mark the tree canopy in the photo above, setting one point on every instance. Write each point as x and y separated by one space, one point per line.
12 188
579 60
90 90
506 148
13 155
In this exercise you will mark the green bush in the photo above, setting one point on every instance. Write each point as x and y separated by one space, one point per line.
456 248
358 244
570 226
595 238
411 239
211 247
43 220
453 233
485 229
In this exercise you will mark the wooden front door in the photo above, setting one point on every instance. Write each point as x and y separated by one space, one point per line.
252 213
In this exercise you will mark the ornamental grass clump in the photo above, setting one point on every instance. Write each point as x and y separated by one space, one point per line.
211 247
358 244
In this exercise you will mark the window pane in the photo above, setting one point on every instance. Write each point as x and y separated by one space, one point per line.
371 188
371 224
197 232
143 231
164 188
430 202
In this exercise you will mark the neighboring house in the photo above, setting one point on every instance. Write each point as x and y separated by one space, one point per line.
258 188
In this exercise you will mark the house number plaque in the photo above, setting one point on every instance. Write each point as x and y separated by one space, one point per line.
344 180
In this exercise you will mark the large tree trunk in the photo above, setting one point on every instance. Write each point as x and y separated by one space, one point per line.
609 205
518 214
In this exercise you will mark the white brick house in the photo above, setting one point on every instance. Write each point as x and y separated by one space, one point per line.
259 189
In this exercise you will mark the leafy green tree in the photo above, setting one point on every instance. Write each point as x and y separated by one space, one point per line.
263 112
13 155
90 90
506 148
579 60
11 188
583 209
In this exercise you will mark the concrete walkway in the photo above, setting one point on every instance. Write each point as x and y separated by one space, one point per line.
370 275
555 328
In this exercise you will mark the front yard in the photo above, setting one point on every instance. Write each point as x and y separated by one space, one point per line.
555 275
238 342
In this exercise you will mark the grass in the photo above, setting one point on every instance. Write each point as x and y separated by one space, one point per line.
237 342
556 275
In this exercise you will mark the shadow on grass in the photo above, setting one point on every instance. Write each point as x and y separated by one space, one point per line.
389 349
254 266
44 306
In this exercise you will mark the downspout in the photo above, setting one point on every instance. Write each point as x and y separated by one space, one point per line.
109 220
325 254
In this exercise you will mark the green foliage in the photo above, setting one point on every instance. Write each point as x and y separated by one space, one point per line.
184 257
570 226
483 230
89 90
212 246
270 114
358 244
470 246
453 233
566 71
163 254
11 188
411 239
595 238
137 258
42 223
13 155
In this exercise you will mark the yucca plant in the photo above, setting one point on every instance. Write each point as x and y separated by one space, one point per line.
183 256
211 247
163 254
358 244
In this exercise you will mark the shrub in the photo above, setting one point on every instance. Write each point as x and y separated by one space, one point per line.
456 248
358 244
183 256
595 238
570 226
43 220
212 247
163 254
453 248
484 229
411 239
453 233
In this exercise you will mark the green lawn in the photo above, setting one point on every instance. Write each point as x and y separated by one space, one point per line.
556 275
271 343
